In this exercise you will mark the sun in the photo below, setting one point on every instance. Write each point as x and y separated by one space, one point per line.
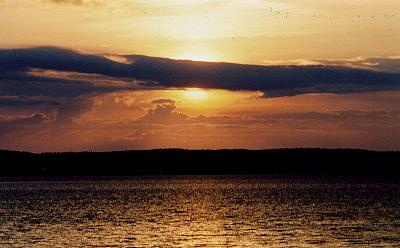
195 94
198 56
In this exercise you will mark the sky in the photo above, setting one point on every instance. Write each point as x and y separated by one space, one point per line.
100 75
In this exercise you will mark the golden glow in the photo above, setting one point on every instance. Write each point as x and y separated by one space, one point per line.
197 56
244 31
195 94
232 119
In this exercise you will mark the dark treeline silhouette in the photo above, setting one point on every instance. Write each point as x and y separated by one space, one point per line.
180 162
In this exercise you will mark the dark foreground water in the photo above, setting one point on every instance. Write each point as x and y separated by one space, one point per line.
200 212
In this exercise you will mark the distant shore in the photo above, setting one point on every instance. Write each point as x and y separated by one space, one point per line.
299 161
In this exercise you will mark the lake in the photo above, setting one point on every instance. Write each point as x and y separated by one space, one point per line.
200 211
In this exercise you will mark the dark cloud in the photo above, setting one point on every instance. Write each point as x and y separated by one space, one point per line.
21 86
73 108
382 64
347 119
56 59
63 99
163 101
163 114
22 121
274 81
7 126
34 119
385 64
24 101
22 83
47 87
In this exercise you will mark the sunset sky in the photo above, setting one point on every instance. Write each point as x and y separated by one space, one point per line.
126 74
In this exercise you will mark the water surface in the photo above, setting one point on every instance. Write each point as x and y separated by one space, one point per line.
203 211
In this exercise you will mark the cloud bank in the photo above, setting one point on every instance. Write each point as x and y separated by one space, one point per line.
48 94
274 81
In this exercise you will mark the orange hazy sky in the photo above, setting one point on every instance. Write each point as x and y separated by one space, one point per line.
246 31
79 93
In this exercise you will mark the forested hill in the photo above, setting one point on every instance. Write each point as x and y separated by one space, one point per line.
179 162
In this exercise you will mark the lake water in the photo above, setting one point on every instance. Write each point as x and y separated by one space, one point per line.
200 211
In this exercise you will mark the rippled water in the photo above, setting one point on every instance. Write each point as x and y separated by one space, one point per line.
199 212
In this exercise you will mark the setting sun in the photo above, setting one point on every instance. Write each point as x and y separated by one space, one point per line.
197 56
195 94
